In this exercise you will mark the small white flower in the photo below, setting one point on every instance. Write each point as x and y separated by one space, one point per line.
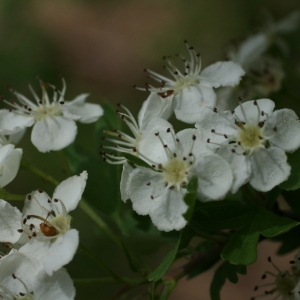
253 139
45 224
285 286
53 118
159 192
192 90
23 278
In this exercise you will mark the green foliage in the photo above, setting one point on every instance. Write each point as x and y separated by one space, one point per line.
225 271
191 197
293 182
241 249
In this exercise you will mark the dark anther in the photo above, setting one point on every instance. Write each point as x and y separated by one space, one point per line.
194 137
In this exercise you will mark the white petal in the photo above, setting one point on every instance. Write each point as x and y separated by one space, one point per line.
191 101
37 203
214 177
24 267
127 169
222 123
151 146
81 111
154 106
287 134
166 211
10 222
53 254
269 168
254 112
240 165
59 286
11 122
139 190
53 133
9 166
192 141
16 137
70 190
226 73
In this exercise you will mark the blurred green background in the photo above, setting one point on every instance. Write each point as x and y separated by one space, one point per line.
102 47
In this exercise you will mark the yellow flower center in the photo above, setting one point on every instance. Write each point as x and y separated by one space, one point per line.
175 171
250 136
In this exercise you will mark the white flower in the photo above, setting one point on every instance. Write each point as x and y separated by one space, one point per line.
285 286
53 118
23 278
45 224
253 139
10 159
159 192
192 89
142 131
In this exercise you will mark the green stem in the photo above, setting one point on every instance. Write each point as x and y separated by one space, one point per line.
65 162
85 206
30 167
115 277
8 196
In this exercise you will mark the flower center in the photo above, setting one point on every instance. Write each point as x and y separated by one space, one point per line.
175 171
285 283
250 136
43 111
184 82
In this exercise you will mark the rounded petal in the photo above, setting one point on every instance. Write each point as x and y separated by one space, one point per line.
53 133
15 138
253 112
24 267
214 177
70 190
166 211
192 141
225 73
191 101
240 166
155 106
287 133
11 122
83 112
53 254
269 168
9 165
10 222
140 189
59 286
215 126
127 169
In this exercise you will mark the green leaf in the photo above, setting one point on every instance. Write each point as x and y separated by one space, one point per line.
135 261
241 249
166 263
289 241
136 160
168 287
225 271
293 182
191 197
221 215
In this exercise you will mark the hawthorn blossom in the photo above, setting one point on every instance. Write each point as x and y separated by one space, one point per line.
159 191
253 139
285 285
22 277
192 90
44 226
53 118
150 119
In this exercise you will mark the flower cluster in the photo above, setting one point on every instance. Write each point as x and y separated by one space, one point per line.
226 150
